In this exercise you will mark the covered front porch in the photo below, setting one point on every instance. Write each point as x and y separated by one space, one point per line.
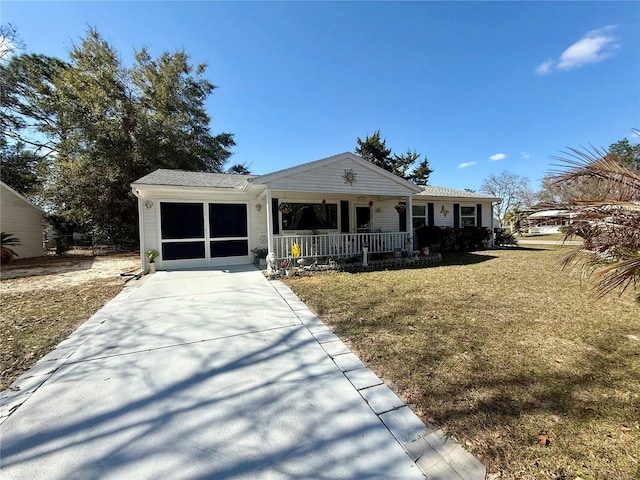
339 245
337 207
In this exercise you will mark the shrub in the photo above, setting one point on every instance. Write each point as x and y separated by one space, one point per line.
8 240
505 238
446 239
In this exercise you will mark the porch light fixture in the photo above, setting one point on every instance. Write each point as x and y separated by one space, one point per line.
148 204
370 203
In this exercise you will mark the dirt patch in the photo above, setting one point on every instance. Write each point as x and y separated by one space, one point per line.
50 273
43 300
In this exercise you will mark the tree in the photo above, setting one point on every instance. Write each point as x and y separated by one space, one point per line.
627 154
21 168
27 101
374 149
514 190
239 169
113 125
609 224
172 124
584 187
9 40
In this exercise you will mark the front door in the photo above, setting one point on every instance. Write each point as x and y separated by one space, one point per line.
363 219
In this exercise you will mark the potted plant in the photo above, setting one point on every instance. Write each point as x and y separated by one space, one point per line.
285 207
152 255
260 256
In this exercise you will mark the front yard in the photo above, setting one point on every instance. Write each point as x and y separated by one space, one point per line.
517 360
43 300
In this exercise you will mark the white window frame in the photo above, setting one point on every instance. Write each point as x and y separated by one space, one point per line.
414 216
473 216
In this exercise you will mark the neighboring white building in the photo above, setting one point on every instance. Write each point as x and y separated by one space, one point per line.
330 207
549 221
22 219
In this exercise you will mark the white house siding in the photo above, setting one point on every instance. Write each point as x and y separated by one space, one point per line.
386 218
23 220
442 213
329 178
443 210
151 219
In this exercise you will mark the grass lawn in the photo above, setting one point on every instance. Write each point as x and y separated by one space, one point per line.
514 358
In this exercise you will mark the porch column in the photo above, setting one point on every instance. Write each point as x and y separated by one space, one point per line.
410 221
269 221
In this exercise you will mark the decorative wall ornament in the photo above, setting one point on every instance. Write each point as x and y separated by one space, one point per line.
258 207
148 204
370 203
349 176
444 211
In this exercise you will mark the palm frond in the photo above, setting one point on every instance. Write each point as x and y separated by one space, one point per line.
620 274
615 181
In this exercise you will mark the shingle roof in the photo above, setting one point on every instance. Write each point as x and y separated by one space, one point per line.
435 191
194 179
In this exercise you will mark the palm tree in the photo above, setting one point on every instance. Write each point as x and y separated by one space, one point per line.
7 254
609 222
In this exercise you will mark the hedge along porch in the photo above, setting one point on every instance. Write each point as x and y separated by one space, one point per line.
329 208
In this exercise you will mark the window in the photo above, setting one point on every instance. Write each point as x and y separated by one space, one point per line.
467 216
181 220
311 216
419 215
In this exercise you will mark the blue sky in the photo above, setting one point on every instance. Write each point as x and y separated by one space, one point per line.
477 87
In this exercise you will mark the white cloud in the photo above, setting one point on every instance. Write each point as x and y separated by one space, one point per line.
545 67
593 47
497 156
467 164
524 155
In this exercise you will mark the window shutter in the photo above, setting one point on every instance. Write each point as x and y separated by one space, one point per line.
344 216
479 215
430 215
274 216
456 215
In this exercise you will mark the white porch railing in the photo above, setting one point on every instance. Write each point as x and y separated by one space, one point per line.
340 244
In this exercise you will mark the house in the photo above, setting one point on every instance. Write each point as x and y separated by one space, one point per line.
549 221
22 219
330 208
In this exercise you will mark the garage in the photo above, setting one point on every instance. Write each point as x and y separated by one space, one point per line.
203 234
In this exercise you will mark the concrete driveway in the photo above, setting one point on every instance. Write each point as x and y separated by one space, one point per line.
215 374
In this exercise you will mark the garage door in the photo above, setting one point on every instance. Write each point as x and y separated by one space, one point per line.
195 234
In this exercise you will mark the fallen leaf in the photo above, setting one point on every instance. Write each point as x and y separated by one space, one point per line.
543 440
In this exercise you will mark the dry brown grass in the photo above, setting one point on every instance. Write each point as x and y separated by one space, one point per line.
515 359
38 312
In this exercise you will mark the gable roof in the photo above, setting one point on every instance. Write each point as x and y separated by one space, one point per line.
435 191
21 197
181 178
324 162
